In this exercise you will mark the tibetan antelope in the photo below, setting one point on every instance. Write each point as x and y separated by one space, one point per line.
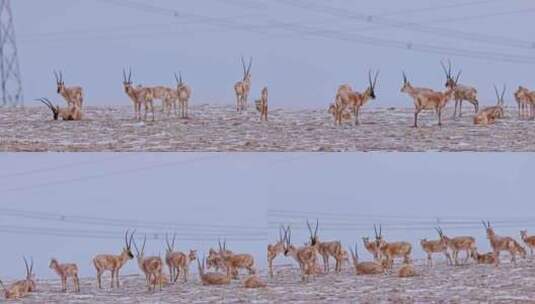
339 115
69 113
234 262
435 246
460 92
212 278
529 240
457 244
64 271
326 249
183 94
151 266
366 267
304 256
262 104
407 271
242 87
74 95
502 243
426 99
485 258
254 282
21 288
371 247
347 98
526 102
273 250
139 96
113 263
178 261
489 114
390 250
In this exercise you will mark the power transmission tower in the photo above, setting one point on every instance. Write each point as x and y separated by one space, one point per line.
9 62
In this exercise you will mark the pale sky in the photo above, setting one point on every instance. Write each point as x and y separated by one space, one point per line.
301 53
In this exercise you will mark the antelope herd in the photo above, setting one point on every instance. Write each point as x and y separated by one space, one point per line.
226 264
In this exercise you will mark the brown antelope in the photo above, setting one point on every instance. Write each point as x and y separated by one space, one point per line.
326 249
182 263
113 263
254 282
486 258
526 102
139 96
21 288
69 113
460 92
262 104
159 280
457 244
501 243
212 278
304 256
339 115
371 247
65 271
74 95
529 240
347 98
407 271
151 266
273 250
215 260
242 87
366 267
426 99
391 250
183 94
435 246
489 114
234 262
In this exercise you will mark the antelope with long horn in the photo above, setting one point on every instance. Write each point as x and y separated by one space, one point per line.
151 266
529 240
362 268
139 96
391 250
212 278
242 87
461 92
234 262
183 93
113 263
435 246
64 271
457 244
21 288
73 95
262 104
69 113
490 114
347 98
326 249
501 243
273 250
526 102
304 256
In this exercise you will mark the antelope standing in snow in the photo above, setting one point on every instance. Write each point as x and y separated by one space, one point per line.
502 243
457 244
262 104
489 114
254 282
212 278
113 263
64 271
391 250
435 246
366 267
183 94
426 99
304 256
347 98
526 103
151 266
21 288
460 92
69 113
234 262
326 249
74 95
529 240
242 87
485 258
273 250
178 261
139 96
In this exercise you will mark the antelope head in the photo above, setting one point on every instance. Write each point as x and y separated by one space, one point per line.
59 81
288 238
371 84
170 245
48 103
127 81
247 70
406 84
192 255
128 244
314 239
450 81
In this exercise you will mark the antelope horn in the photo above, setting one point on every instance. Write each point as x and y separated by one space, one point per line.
458 75
316 230
26 265
173 242
243 66
309 229
375 229
484 224
56 76
180 76
250 65
124 75
44 102
167 242
375 79
503 92
380 229
449 68
404 77
176 78
445 70
129 74
144 242
60 76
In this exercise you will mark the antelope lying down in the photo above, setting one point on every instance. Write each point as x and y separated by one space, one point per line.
503 243
72 112
489 115
21 288
212 278
367 267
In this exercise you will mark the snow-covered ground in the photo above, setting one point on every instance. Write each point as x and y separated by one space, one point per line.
220 128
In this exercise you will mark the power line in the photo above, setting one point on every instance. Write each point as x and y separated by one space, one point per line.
11 83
